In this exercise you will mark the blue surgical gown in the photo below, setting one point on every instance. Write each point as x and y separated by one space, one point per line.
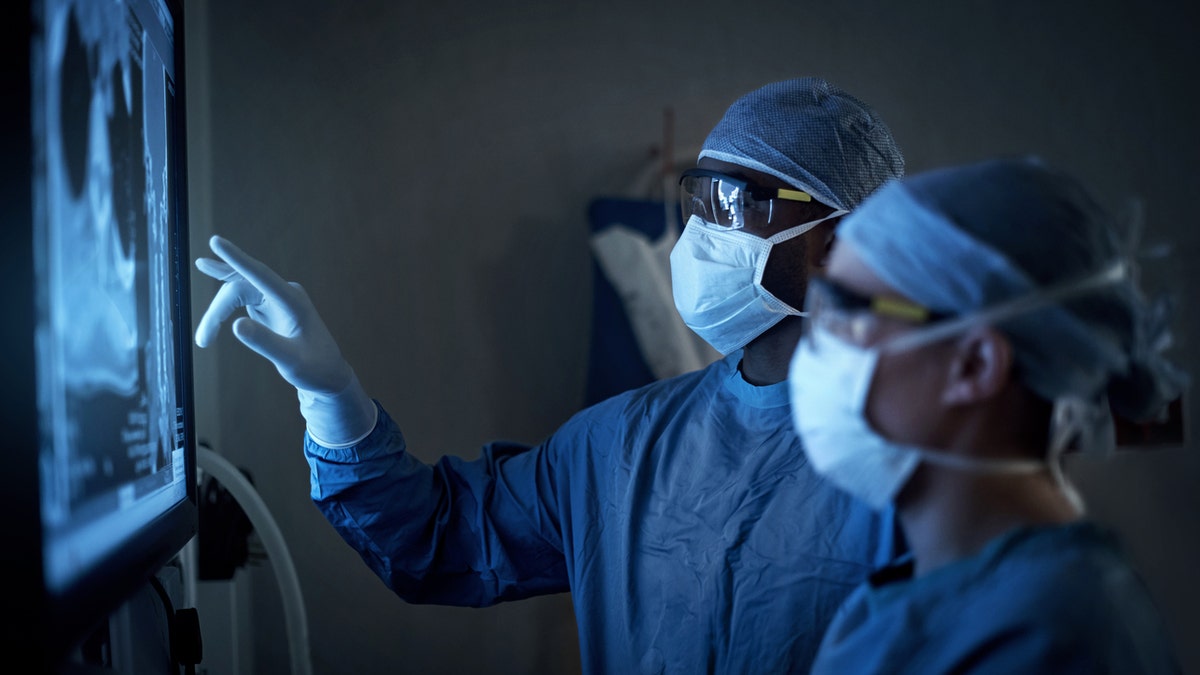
1051 599
682 516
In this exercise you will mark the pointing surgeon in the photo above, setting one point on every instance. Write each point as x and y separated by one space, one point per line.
682 516
974 323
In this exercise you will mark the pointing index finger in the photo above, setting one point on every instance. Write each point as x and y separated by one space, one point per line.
265 279
221 271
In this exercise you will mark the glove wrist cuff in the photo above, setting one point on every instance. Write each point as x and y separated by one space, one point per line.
339 420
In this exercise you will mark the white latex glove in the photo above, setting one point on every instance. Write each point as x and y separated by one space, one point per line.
283 326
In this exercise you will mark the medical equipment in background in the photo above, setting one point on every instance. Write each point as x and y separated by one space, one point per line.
295 617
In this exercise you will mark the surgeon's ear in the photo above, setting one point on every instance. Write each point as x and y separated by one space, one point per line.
982 365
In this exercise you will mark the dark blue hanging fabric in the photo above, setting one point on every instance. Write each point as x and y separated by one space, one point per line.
615 362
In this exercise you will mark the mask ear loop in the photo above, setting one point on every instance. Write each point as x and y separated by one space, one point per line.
1087 426
980 465
785 235
793 232
1074 421
1066 427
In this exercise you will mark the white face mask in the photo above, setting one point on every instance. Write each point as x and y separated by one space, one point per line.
716 278
829 382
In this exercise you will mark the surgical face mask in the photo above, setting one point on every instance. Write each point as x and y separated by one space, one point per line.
830 378
829 382
716 279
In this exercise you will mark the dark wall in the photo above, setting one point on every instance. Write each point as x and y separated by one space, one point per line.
424 170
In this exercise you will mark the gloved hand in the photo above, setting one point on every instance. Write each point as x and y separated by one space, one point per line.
283 326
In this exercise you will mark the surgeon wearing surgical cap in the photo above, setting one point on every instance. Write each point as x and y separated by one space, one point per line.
974 324
681 516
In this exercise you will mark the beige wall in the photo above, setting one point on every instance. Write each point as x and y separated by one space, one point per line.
424 170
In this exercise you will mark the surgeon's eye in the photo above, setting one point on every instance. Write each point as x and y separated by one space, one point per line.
762 206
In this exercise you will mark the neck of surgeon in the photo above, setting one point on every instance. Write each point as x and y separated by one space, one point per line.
765 359
951 512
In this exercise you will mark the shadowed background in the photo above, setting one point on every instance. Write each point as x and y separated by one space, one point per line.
425 169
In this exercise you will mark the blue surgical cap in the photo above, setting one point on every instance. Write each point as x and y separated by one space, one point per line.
963 238
812 135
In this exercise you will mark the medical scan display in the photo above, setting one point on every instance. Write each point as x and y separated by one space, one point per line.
110 395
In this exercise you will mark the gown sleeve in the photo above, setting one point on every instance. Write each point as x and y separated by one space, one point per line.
457 532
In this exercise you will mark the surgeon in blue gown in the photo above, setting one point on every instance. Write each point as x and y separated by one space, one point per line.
975 323
682 516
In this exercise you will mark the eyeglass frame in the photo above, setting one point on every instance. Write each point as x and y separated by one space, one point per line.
844 300
756 192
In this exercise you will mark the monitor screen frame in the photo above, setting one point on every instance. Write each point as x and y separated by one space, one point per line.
49 625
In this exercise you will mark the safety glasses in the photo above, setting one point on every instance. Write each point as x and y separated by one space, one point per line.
732 202
855 317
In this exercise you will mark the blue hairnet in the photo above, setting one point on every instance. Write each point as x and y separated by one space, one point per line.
963 238
812 135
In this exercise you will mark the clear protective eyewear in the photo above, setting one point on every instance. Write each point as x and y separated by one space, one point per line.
730 201
855 318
